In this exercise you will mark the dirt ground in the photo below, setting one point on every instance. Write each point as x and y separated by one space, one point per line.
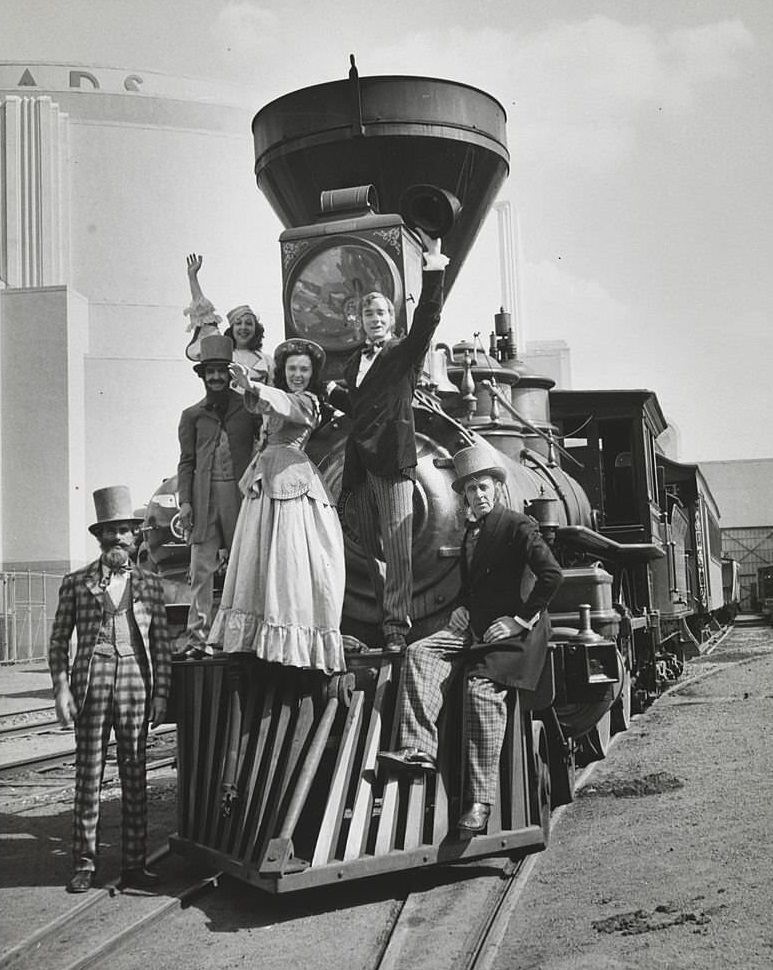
666 858
663 861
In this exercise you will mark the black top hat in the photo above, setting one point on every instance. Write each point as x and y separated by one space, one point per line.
215 349
113 504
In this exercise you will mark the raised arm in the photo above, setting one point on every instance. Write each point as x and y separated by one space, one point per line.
427 315
201 310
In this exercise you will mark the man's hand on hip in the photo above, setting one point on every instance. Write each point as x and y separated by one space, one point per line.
503 628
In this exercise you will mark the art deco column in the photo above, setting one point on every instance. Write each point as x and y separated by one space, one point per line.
34 193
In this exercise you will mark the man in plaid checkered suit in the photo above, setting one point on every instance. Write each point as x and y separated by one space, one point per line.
497 637
119 680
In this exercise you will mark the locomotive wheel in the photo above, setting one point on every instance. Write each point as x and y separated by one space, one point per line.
541 778
621 711
597 739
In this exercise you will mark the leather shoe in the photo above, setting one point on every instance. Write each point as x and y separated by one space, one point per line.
474 819
81 882
139 878
395 643
408 759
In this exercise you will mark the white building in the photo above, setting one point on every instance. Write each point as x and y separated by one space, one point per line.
108 178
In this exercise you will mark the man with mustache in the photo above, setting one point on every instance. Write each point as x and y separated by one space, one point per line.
217 440
119 681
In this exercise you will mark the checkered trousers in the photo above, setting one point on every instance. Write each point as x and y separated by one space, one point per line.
117 698
384 512
429 669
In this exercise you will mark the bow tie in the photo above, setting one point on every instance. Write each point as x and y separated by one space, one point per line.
120 571
475 525
370 350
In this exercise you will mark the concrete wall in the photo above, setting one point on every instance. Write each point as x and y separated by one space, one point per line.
43 342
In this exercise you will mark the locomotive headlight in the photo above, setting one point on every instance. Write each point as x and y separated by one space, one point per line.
324 290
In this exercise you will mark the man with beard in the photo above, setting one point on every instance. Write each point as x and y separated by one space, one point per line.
119 681
217 440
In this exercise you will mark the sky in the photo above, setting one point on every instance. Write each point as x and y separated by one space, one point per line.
641 140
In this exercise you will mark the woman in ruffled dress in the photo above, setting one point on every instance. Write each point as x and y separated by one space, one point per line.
284 588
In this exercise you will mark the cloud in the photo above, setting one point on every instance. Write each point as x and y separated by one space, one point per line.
244 27
578 90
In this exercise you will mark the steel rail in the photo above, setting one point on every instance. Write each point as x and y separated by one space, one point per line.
45 762
29 719
19 950
115 942
27 729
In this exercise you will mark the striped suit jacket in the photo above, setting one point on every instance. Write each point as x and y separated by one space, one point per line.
80 609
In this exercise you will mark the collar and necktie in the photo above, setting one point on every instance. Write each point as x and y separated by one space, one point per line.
371 349
108 574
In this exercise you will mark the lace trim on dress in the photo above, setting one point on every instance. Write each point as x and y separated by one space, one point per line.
297 646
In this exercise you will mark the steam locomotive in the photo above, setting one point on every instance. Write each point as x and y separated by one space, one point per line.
278 782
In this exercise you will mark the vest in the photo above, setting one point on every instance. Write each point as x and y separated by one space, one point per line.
119 634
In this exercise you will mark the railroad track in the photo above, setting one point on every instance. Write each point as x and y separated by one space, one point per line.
41 763
127 920
27 723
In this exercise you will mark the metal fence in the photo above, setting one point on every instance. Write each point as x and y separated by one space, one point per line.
27 605
751 547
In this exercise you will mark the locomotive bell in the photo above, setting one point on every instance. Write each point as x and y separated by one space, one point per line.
430 208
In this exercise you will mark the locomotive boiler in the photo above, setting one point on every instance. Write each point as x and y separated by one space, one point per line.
278 781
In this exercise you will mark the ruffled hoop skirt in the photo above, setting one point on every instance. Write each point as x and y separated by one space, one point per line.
284 587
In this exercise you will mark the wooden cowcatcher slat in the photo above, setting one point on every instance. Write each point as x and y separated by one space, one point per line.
279 784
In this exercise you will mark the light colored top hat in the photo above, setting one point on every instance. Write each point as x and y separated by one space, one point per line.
215 349
113 504
473 462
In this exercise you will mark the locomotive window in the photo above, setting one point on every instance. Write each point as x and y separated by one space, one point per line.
715 538
325 290
619 471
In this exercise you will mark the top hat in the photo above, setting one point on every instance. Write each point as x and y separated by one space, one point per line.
472 463
299 345
215 349
113 504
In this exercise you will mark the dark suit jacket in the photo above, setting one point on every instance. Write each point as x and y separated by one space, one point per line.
512 573
81 607
199 432
382 439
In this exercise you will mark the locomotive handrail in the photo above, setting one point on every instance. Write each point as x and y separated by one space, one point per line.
535 459
550 438
597 542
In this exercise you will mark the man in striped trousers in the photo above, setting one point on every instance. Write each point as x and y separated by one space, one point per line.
380 464
119 681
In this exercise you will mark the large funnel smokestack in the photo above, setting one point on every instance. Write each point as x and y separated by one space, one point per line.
392 132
